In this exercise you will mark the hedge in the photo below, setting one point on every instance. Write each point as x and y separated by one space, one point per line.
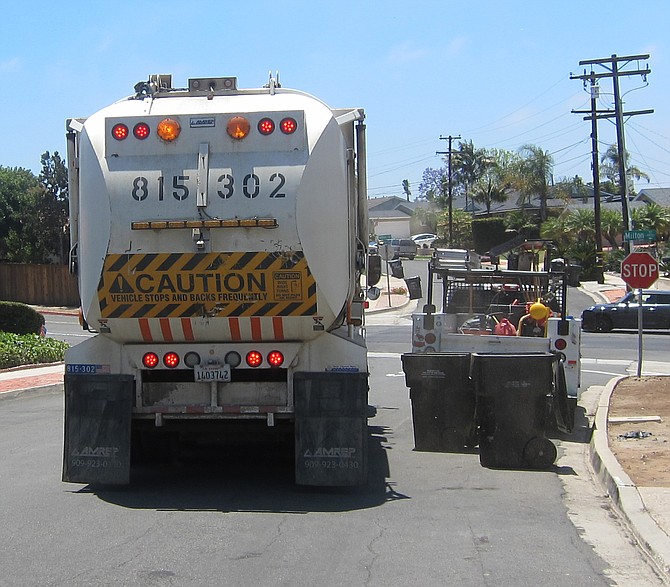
19 318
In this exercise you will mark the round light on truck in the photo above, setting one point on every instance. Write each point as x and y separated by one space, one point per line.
120 131
238 127
171 360
141 130
254 358
191 359
560 344
266 126
288 126
150 360
275 358
233 359
168 129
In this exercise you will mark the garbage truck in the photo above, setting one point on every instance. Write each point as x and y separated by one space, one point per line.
221 307
479 377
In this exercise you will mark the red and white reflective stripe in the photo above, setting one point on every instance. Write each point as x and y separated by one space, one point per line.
255 328
145 329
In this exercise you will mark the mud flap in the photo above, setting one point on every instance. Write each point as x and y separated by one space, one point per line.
331 430
98 410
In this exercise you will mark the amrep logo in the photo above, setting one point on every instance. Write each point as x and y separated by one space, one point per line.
337 451
202 122
105 452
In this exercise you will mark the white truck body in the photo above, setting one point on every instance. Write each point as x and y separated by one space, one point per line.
199 252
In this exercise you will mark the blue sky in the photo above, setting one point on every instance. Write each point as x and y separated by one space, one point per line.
494 72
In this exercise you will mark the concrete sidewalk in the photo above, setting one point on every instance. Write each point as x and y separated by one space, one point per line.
646 509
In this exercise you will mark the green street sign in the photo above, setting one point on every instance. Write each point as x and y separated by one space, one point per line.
639 235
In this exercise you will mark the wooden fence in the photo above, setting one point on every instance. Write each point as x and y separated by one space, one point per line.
41 285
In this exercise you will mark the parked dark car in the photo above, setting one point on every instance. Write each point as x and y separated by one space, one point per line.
624 313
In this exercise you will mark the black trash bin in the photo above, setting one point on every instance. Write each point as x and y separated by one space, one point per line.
396 269
514 398
414 287
443 402
572 274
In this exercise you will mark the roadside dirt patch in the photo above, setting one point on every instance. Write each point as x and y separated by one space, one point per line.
642 448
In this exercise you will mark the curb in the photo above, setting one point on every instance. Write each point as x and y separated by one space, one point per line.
54 388
387 308
622 491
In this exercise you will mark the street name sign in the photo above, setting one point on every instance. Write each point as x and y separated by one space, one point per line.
639 235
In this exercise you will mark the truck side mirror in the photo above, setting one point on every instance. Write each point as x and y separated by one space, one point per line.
374 270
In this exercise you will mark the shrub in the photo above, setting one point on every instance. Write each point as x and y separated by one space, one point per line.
29 349
19 318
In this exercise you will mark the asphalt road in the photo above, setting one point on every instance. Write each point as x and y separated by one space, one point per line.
234 517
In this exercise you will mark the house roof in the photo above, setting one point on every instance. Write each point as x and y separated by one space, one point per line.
390 207
660 196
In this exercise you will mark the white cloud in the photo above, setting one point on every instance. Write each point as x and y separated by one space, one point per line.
12 64
405 53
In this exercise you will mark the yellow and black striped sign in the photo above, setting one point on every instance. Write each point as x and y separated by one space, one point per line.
182 285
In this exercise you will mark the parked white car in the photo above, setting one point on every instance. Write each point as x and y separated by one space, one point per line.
424 240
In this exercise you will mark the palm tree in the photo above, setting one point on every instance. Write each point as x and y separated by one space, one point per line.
653 217
581 224
611 225
469 165
609 168
554 229
534 176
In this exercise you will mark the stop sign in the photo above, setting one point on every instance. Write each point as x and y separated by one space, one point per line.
639 270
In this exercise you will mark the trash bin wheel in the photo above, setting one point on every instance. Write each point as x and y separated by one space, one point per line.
539 453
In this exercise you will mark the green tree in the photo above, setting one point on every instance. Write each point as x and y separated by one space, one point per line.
533 176
34 226
611 226
609 168
554 229
494 183
520 222
15 183
462 223
653 217
468 166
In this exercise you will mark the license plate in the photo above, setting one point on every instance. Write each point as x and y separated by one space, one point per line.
212 372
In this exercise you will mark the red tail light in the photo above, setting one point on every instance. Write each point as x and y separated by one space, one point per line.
266 126
120 131
171 360
141 130
560 344
288 126
150 360
254 358
275 358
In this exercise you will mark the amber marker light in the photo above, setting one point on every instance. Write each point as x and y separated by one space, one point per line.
168 129
238 127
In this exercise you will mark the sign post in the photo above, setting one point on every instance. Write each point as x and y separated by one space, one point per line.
639 271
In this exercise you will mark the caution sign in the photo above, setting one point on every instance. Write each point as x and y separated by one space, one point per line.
183 285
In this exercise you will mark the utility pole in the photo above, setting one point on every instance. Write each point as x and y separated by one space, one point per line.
613 70
450 138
